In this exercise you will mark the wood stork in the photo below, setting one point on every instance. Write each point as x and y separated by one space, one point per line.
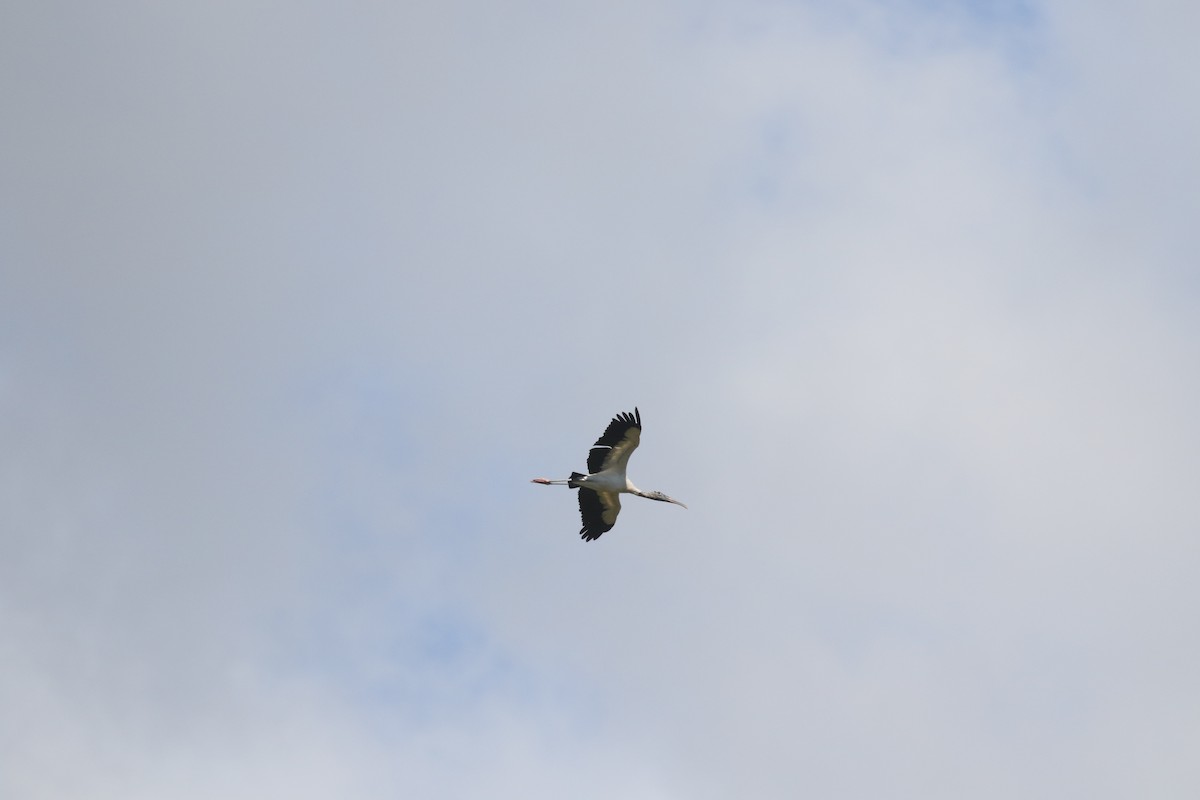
600 490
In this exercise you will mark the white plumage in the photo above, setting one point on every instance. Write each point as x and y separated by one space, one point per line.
600 490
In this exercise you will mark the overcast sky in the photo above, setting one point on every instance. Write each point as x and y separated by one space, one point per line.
296 297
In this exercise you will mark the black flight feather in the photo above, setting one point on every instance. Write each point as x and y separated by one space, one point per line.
591 511
611 437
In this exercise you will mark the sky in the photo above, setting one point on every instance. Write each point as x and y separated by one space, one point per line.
295 298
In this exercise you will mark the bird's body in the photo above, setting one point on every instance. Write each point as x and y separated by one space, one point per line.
601 488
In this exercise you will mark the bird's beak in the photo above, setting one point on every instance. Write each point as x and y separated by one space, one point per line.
676 502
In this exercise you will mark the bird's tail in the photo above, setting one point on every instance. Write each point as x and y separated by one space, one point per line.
574 481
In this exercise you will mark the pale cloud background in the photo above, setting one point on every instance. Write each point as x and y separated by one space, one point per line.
295 298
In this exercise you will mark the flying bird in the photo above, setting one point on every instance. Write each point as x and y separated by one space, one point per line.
600 490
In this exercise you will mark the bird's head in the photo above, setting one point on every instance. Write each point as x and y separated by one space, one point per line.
662 497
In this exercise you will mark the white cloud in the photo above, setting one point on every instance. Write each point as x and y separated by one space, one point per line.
295 302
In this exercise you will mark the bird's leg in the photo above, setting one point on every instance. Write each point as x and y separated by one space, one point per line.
548 482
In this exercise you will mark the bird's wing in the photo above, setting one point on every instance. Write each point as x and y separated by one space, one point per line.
618 442
598 510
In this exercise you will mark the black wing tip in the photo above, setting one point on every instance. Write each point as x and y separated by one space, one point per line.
616 430
591 511
626 418
592 534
